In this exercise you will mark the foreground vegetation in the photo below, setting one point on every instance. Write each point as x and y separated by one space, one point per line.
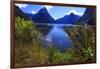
83 42
29 50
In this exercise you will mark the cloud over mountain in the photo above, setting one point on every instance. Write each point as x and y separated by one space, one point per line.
47 7
21 5
33 12
75 12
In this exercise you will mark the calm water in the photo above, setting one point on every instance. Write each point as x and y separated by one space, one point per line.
59 38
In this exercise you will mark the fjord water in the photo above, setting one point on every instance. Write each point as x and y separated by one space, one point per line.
59 38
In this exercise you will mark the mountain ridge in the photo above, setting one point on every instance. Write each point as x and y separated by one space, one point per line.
68 19
43 16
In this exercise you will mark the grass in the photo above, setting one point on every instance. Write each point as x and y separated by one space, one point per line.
29 50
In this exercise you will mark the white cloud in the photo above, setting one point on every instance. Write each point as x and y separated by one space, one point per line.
33 12
21 5
75 12
48 7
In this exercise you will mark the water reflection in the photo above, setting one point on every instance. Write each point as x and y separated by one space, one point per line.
59 38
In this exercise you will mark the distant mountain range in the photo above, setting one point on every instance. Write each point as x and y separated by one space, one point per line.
68 19
44 17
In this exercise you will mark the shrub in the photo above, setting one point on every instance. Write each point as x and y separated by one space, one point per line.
25 30
59 57
28 49
83 41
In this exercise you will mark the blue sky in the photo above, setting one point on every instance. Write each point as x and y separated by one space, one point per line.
55 11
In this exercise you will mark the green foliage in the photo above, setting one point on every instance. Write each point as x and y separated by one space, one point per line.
25 30
27 46
83 41
57 57
31 55
21 55
87 53
38 55
29 50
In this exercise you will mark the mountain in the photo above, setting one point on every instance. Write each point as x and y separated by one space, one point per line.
43 17
72 19
19 12
68 19
88 16
63 20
